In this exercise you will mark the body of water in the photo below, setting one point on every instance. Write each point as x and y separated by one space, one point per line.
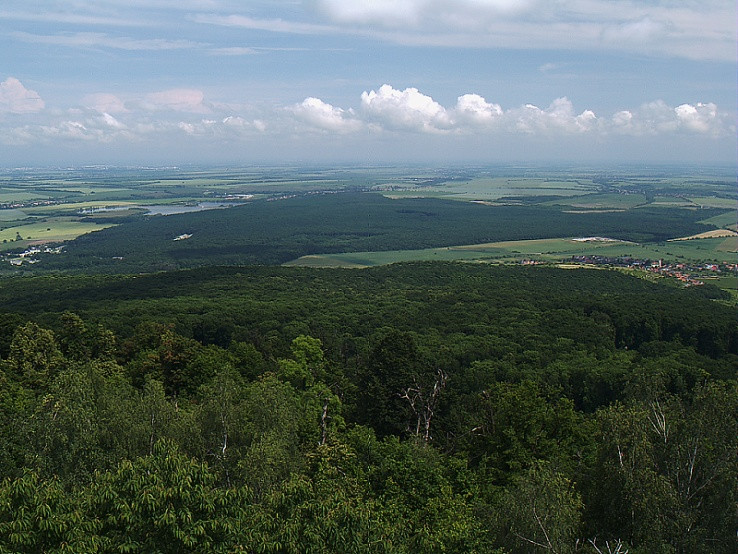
171 209
166 209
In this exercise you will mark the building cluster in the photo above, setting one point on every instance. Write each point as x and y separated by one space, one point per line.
26 204
27 256
691 274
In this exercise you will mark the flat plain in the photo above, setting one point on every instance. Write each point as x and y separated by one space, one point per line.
57 206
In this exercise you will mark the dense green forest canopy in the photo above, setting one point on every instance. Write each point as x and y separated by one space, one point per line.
431 407
274 232
455 297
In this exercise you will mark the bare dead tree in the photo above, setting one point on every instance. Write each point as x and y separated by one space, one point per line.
657 418
423 401
617 547
548 545
324 423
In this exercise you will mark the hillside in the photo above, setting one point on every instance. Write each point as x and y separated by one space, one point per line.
409 408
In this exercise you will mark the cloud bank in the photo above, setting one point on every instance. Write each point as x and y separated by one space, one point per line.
410 111
176 116
703 30
693 30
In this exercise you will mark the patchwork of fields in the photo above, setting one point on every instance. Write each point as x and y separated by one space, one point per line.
523 214
723 250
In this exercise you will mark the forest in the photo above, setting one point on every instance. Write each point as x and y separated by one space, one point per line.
277 231
414 407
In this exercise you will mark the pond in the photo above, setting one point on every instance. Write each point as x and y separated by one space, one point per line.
171 209
165 209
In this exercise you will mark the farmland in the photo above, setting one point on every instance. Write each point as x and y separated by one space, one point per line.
362 216
47 230
548 250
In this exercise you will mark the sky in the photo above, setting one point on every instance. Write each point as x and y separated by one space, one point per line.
169 82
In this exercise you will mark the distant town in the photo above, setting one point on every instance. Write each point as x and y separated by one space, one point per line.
689 274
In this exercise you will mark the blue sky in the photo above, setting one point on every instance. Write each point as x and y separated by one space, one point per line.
369 81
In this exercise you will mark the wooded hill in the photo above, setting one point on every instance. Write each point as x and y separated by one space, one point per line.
409 408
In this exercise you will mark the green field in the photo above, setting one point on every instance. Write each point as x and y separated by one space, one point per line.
90 189
729 244
12 195
12 215
728 283
547 250
608 201
727 220
370 259
715 202
673 201
490 188
51 230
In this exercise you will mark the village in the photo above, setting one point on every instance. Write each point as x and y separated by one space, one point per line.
27 256
691 274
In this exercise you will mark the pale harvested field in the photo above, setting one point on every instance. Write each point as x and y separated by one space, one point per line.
715 234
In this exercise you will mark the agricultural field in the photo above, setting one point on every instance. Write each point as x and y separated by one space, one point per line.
721 250
607 201
491 189
384 214
727 220
11 196
51 230
715 202
12 215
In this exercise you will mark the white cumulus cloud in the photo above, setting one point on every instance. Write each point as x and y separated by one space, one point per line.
586 120
230 127
407 109
701 118
110 121
559 117
317 113
17 99
185 115
475 110
241 124
654 118
622 121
